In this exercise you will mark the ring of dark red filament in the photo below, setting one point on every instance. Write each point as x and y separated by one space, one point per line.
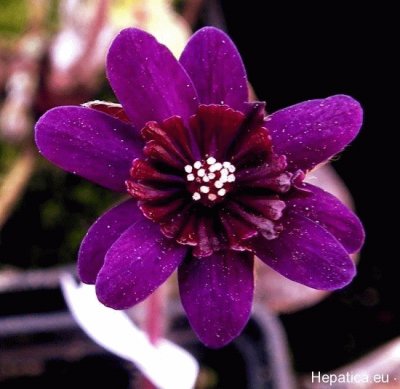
254 203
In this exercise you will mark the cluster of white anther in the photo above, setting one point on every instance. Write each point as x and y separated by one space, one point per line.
211 177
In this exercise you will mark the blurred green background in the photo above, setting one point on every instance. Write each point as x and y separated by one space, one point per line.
56 209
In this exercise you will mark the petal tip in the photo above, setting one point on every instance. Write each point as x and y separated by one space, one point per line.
41 125
351 106
349 271
358 237
86 273
84 277
108 296
216 341
211 30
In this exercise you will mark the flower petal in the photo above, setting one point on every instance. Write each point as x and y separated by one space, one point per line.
136 264
112 109
147 80
217 294
311 132
216 69
307 253
326 210
90 143
250 147
100 237
214 128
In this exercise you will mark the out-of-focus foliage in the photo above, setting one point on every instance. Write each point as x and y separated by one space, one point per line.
13 17
51 219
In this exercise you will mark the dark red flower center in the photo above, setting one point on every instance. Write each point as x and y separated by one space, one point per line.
214 183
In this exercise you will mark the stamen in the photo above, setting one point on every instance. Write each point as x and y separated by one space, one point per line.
211 178
211 160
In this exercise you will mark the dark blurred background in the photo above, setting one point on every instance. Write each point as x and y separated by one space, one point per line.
295 51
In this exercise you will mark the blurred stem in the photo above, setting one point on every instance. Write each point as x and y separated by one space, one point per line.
155 321
155 315
191 11
97 23
15 181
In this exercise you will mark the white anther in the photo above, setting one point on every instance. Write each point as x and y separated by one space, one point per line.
196 196
221 192
211 160
210 174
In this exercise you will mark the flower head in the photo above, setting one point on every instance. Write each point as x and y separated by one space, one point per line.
213 182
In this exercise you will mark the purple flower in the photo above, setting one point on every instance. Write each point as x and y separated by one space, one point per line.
213 182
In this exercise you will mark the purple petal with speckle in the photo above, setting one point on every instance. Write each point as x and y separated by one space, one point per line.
147 79
327 211
307 253
90 143
101 235
217 294
311 132
216 68
137 264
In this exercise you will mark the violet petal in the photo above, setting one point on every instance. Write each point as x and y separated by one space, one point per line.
147 80
326 210
137 264
307 253
216 68
311 132
89 143
217 294
100 237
